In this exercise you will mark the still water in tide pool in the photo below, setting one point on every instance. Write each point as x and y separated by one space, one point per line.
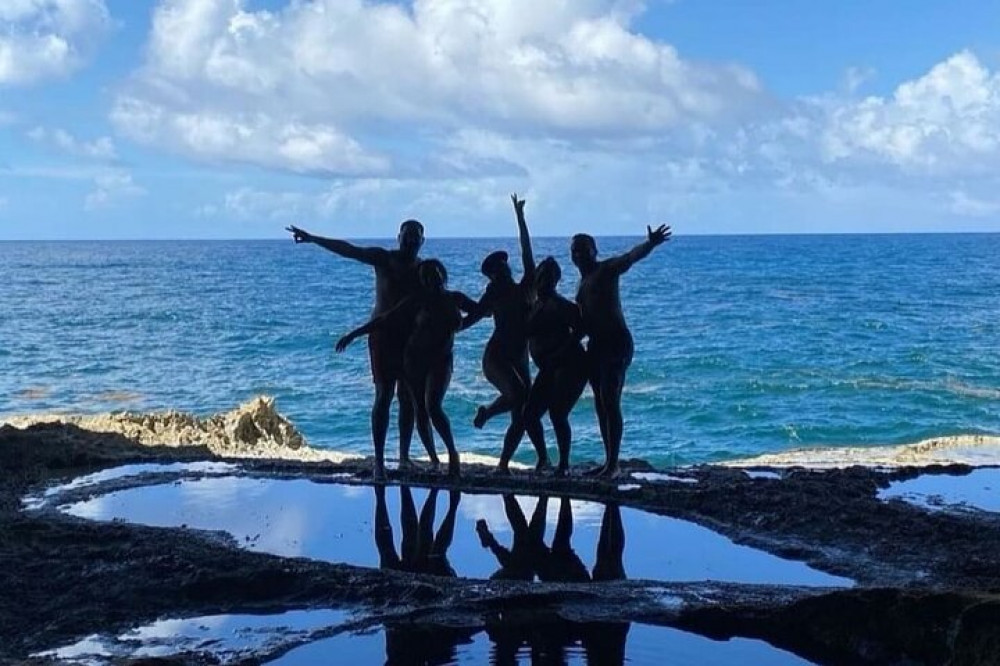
744 345
450 533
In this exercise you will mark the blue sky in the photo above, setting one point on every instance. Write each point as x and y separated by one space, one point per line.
232 118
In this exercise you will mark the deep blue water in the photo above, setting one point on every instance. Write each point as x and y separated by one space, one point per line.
743 344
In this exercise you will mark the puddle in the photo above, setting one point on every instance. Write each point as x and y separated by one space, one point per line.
39 500
762 474
223 638
658 476
564 643
293 639
449 534
979 489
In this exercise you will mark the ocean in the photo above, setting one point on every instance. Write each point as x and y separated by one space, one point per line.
744 345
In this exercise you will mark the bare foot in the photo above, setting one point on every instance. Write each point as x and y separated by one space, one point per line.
378 472
405 464
543 466
480 419
501 470
562 470
454 469
610 472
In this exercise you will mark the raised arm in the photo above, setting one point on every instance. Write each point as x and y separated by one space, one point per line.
527 257
372 256
654 238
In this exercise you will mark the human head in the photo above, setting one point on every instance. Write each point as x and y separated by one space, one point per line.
433 275
411 237
495 265
547 275
583 250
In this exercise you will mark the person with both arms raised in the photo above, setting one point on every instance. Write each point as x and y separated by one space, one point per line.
609 346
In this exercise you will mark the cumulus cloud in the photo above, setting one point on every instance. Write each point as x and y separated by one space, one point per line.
41 39
102 148
259 138
947 120
297 88
111 187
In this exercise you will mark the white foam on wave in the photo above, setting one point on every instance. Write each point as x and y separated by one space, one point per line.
973 450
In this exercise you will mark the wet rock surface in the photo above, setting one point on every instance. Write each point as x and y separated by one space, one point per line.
929 582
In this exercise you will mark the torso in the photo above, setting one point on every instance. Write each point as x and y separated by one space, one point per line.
435 321
394 281
551 329
601 308
510 306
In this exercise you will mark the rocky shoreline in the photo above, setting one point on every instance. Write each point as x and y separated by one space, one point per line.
927 583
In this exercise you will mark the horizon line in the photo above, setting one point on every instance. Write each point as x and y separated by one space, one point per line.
533 236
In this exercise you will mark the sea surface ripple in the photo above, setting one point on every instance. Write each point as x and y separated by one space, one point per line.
744 345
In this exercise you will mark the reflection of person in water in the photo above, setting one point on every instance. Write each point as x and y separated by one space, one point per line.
433 316
505 360
420 551
527 552
608 564
395 279
603 642
528 555
609 348
563 564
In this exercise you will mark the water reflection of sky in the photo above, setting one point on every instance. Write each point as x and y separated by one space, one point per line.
335 522
638 644
977 489
225 637
236 638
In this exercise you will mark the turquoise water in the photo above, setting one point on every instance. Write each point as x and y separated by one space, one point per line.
744 345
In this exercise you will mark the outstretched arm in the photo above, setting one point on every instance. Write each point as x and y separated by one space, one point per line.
372 256
654 238
527 257
371 325
476 312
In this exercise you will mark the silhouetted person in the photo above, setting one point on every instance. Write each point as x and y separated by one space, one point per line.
609 348
420 550
608 564
527 552
505 360
432 316
395 279
555 328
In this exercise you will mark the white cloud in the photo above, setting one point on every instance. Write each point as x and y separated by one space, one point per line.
945 121
246 138
111 187
41 39
102 148
298 88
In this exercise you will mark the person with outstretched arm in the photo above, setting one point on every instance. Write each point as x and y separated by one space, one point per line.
432 316
395 279
609 345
